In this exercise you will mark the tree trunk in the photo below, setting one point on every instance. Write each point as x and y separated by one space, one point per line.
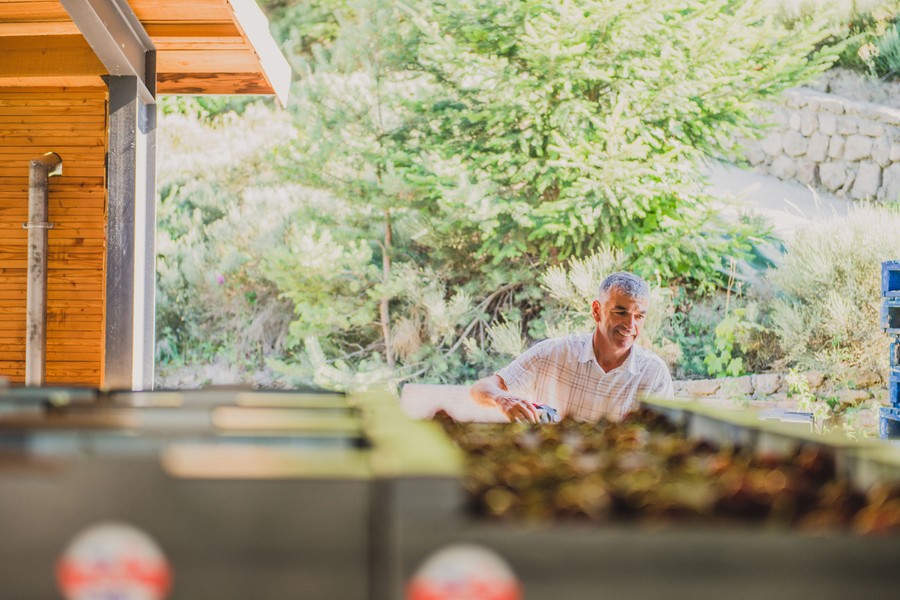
384 307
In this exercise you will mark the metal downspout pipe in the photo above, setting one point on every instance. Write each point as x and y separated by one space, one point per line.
39 172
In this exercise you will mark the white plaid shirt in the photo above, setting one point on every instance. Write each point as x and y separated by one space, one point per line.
564 373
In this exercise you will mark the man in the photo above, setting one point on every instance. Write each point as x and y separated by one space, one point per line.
587 376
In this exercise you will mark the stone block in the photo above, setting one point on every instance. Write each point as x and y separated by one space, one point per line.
836 146
795 120
831 104
827 123
873 111
806 172
754 154
850 397
891 116
786 402
848 183
817 149
737 386
795 144
794 99
808 123
864 378
881 151
893 134
832 175
895 153
783 168
867 182
779 117
815 379
871 128
766 384
702 387
847 126
772 144
890 181
858 147
853 108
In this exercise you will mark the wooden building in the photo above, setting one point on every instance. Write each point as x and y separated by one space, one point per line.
79 78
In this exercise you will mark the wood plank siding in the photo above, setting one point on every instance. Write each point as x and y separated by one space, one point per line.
72 123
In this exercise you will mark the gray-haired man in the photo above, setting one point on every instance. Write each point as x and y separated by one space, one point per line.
587 376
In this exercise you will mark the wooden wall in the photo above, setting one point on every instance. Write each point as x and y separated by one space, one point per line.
72 123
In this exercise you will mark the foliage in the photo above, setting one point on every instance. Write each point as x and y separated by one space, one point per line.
581 120
887 58
798 389
208 108
211 297
692 329
724 358
861 24
827 316
439 157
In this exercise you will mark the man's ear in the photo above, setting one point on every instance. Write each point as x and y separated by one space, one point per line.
595 310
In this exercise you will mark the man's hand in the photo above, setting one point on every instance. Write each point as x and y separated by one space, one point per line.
517 409
492 391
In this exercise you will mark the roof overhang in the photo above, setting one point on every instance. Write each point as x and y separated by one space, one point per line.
172 46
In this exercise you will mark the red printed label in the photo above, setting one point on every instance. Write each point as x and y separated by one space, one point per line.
113 562
464 572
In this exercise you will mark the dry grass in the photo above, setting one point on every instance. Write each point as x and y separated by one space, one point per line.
827 313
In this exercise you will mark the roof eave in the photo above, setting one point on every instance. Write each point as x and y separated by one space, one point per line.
275 68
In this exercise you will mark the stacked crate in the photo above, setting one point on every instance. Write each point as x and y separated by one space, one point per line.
889 422
249 494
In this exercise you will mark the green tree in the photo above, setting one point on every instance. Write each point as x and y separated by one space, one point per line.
583 121
354 142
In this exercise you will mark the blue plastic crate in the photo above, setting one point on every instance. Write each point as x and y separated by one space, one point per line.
894 388
889 423
890 279
890 315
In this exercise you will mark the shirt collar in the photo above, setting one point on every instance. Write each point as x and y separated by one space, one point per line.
587 355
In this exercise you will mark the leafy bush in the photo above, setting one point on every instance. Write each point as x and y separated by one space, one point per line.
581 120
887 59
216 217
827 316
860 26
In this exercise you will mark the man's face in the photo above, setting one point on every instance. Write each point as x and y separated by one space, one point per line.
619 318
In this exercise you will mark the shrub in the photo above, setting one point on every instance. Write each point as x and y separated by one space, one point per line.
212 299
887 61
827 313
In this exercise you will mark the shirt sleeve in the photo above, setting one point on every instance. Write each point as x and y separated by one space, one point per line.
660 382
519 376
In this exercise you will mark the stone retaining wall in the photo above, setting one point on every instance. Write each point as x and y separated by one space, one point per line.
847 147
771 390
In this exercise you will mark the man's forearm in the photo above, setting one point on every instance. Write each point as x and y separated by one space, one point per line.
486 391
492 391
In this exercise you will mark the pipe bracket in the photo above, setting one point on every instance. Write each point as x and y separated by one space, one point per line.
43 225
